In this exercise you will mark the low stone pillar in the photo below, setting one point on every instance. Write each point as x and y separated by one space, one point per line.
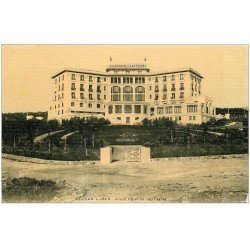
145 154
106 155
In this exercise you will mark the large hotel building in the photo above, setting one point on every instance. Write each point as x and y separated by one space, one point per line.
126 94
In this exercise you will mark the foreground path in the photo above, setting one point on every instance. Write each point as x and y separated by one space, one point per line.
199 179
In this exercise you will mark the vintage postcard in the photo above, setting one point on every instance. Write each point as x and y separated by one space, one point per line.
125 123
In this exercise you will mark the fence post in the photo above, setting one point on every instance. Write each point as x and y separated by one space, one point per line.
49 146
14 143
65 145
85 146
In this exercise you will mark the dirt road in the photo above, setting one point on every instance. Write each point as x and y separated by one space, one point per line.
210 179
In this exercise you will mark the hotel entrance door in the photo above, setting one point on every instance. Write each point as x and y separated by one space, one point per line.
127 120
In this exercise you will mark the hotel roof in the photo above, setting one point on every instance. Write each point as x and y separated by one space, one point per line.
127 67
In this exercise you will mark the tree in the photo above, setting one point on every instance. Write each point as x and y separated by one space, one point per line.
146 122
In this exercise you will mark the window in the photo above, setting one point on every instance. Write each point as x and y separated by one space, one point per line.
90 105
58 87
104 97
164 87
173 96
90 88
110 109
156 79
115 93
137 109
73 86
98 97
156 97
72 104
118 109
81 104
190 118
157 88
173 77
127 108
192 108
62 87
177 109
81 87
164 78
62 95
159 110
62 111
104 79
81 95
145 109
55 106
150 87
140 93
152 110
150 97
182 86
164 96
73 76
169 109
73 95
127 79
62 77
58 105
90 97
104 88
118 118
98 105
59 78
98 88
139 79
194 118
173 87
58 112
127 93
181 76
90 79
98 79
82 77
181 95
62 104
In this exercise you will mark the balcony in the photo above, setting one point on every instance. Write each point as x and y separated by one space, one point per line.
90 90
164 89
181 88
73 88
156 90
82 89
173 89
99 91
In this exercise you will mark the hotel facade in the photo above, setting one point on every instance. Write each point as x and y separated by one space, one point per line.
126 94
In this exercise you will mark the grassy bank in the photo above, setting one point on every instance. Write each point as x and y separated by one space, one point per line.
198 150
27 189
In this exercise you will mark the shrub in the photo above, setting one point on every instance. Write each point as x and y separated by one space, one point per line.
26 188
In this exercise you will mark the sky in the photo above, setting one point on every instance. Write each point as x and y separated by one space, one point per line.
27 69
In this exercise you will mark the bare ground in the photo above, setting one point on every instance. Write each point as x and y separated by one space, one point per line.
199 179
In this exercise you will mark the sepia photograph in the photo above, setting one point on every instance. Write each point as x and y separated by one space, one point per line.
125 123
